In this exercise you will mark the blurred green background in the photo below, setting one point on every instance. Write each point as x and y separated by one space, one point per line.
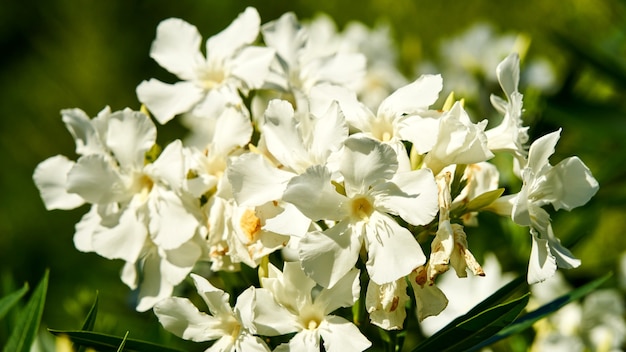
57 54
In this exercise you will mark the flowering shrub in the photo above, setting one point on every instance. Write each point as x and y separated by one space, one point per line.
339 197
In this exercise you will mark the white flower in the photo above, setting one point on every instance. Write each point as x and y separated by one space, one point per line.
287 304
567 185
231 327
139 212
230 64
429 299
404 116
459 141
509 135
361 207
302 65
386 303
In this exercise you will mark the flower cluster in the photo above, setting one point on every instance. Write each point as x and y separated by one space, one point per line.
284 154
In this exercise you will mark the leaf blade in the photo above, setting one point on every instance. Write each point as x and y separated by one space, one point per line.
89 323
25 329
105 342
530 318
7 302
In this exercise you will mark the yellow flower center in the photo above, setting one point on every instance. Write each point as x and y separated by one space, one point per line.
250 225
362 207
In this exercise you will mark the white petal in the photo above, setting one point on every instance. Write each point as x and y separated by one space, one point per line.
242 31
386 304
285 36
252 65
343 294
85 230
81 128
541 150
216 299
130 135
564 258
429 299
153 288
177 47
364 162
329 133
283 137
327 256
177 263
412 98
315 196
304 341
169 168
344 69
291 288
421 131
172 219
570 184
247 342
522 206
93 178
255 181
508 74
129 275
290 222
322 96
121 240
180 317
414 199
272 319
244 309
340 335
392 250
233 129
50 177
542 264
168 100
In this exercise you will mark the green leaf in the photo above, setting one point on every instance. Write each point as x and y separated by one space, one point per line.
121 348
495 299
7 302
104 342
25 329
529 319
477 328
89 323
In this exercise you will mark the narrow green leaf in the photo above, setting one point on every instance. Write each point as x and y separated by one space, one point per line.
90 322
121 348
476 328
25 329
529 319
104 342
7 302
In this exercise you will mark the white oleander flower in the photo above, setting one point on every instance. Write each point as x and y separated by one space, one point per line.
459 141
509 135
287 304
361 207
231 326
140 212
231 65
301 64
386 303
567 185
